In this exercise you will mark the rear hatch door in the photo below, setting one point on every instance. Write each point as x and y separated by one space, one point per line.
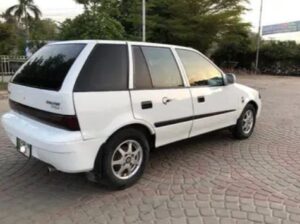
38 86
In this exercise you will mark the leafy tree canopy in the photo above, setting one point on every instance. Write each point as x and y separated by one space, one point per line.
25 10
41 30
196 23
131 18
7 37
236 48
97 22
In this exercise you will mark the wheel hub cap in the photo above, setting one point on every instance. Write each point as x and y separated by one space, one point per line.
248 121
127 159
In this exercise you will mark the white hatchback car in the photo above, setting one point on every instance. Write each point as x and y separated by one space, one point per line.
100 106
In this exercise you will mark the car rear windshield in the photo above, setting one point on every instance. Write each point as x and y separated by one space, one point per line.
48 68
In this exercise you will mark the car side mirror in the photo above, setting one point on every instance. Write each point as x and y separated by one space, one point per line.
230 78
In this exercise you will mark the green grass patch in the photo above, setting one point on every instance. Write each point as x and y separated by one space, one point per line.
3 86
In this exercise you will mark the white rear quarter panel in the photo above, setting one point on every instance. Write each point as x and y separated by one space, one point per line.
102 113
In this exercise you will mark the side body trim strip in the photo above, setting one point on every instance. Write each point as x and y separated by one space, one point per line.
184 119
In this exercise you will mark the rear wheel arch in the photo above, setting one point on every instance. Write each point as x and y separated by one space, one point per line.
141 127
134 132
149 134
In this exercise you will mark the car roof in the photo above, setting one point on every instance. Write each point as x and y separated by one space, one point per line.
119 42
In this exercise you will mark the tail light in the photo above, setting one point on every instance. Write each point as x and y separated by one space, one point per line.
68 122
71 123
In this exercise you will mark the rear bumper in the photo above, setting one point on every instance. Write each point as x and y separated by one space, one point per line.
65 150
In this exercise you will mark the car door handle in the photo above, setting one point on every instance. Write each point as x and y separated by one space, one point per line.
201 99
146 105
166 100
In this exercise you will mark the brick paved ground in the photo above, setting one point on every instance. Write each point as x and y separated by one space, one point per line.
210 179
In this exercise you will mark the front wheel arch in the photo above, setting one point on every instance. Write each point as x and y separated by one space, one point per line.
237 130
254 104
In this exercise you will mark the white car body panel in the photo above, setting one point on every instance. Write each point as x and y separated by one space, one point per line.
38 98
216 100
179 107
100 114
248 95
65 150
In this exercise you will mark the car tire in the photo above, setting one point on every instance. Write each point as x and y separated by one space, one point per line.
124 159
246 123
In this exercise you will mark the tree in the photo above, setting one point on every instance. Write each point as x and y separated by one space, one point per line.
131 18
88 4
7 38
196 23
43 30
97 22
236 48
280 57
24 12
111 7
87 26
26 9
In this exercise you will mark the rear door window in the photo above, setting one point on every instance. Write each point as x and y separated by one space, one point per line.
162 66
106 69
142 78
48 68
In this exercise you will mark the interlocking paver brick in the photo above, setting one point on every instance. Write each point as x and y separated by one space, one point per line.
243 222
260 203
264 211
166 221
276 206
295 218
220 212
217 204
209 179
294 210
181 220
207 212
202 204
239 214
192 212
272 220
226 221
255 217
280 214
177 212
211 220
248 208
188 204
162 213
194 220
